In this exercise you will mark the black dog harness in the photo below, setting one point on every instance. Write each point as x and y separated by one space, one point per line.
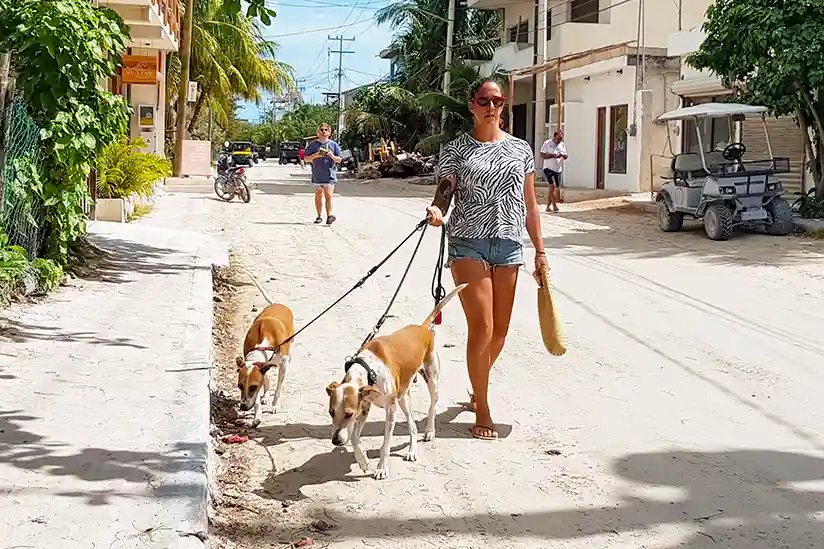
371 375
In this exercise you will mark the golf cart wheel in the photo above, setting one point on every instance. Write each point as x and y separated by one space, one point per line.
670 222
222 192
718 222
782 217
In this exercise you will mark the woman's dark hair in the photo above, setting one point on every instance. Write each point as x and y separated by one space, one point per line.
477 84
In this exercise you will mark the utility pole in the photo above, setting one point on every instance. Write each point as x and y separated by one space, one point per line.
183 87
340 51
447 75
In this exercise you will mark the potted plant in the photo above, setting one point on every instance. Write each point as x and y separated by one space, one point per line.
126 176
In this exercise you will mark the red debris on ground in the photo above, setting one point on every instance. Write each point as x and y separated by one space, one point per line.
235 439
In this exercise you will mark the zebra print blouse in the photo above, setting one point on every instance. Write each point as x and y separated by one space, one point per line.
489 195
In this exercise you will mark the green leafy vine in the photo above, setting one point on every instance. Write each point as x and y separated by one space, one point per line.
63 50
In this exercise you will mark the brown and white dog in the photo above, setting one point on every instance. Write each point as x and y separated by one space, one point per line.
272 326
381 374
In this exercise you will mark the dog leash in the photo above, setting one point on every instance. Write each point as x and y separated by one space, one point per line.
421 225
385 314
438 291
371 375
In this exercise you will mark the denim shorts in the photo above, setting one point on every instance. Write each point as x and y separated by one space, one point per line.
552 177
495 252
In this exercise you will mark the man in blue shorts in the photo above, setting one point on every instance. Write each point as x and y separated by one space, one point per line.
324 154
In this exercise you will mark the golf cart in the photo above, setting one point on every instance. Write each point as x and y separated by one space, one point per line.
289 152
241 152
721 187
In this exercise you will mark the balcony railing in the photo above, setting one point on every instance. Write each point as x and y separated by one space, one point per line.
170 9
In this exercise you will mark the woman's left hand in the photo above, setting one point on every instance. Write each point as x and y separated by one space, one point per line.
540 264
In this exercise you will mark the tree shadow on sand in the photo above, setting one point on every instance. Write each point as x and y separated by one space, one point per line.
739 499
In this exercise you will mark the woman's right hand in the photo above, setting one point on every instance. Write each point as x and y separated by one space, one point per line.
435 216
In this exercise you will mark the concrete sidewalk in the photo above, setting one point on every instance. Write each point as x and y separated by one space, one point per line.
105 403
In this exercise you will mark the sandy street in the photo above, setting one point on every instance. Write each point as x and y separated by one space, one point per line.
683 416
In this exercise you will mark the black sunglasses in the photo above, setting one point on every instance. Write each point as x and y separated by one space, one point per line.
497 101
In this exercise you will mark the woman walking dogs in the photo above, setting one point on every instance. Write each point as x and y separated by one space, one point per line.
491 176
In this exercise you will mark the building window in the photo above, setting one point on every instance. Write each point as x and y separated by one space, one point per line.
618 115
519 33
549 24
584 11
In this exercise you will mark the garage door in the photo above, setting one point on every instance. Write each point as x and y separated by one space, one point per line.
786 141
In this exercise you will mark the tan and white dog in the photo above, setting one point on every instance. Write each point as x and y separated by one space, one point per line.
272 326
381 374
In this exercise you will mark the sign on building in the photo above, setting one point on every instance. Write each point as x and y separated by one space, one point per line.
140 69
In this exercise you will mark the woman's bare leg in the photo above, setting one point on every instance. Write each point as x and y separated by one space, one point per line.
319 200
477 302
504 280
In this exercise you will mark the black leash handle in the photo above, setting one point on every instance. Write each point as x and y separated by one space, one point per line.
421 225
438 291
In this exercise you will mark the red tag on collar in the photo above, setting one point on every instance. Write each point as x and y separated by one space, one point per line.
439 319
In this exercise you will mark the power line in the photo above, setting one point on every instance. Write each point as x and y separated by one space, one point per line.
325 29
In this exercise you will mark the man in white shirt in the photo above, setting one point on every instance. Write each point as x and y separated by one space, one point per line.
553 152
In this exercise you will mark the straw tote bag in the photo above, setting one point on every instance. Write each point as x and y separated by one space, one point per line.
552 329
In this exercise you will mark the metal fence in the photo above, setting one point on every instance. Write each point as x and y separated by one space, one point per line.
22 215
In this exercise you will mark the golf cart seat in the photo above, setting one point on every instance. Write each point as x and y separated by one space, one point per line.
688 170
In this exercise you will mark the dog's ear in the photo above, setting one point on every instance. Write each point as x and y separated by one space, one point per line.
369 394
332 387
240 363
263 366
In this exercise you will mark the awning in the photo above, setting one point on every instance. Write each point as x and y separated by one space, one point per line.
700 86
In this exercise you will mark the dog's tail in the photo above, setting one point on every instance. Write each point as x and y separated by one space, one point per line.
441 304
266 296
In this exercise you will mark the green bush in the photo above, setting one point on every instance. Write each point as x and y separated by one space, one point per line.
122 170
49 274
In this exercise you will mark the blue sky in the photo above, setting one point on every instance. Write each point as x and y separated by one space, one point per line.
302 27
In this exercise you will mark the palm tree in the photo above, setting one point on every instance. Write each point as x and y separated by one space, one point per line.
420 45
230 60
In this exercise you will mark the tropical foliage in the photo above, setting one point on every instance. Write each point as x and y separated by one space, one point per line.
420 42
62 50
302 121
408 109
122 170
772 54
230 60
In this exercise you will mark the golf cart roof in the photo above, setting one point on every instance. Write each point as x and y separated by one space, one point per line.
712 110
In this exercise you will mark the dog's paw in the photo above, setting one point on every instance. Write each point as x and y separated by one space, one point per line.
381 473
411 455
362 460
276 407
255 423
429 436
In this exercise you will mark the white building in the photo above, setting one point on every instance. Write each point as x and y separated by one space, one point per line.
599 80
154 32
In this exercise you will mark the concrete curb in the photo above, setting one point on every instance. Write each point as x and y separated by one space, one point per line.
808 225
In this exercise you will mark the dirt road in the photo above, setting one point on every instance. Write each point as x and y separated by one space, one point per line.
684 414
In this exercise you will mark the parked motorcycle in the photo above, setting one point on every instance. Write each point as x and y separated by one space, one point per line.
231 180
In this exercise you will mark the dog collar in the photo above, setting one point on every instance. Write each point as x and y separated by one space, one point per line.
371 375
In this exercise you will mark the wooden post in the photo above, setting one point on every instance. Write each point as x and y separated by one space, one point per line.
559 97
